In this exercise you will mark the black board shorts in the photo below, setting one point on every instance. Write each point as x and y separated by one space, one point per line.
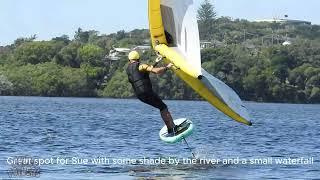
153 100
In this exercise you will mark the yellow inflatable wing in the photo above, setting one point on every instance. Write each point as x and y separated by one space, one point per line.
175 35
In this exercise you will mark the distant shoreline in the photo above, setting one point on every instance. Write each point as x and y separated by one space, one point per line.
113 98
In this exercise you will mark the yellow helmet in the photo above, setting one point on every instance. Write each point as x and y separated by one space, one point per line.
134 55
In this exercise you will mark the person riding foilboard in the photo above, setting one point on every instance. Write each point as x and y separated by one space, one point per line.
138 75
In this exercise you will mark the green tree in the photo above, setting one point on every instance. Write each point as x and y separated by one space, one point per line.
95 75
92 55
85 36
20 41
315 95
5 85
256 84
297 77
118 86
37 52
64 38
314 81
5 55
68 56
48 79
206 16
206 12
120 35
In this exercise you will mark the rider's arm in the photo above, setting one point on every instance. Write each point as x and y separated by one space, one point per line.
148 68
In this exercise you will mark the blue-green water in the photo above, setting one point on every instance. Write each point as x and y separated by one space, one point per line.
67 128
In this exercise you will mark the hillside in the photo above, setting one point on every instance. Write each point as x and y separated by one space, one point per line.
248 56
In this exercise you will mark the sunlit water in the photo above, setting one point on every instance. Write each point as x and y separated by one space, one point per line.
82 128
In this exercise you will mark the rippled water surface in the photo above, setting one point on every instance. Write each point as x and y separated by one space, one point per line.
69 128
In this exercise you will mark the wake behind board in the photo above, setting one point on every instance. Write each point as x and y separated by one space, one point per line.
187 130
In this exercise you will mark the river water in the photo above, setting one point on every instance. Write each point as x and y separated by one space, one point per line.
68 136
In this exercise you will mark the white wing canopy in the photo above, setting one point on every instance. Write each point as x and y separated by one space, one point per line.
225 94
176 23
181 28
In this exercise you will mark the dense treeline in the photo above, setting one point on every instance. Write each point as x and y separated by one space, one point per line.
274 74
248 56
63 67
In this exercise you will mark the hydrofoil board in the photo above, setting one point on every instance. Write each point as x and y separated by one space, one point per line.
185 129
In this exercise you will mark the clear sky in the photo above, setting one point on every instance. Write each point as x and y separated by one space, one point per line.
51 18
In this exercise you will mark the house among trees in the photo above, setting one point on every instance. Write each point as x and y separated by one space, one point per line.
287 43
205 44
211 44
115 54
285 21
142 49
